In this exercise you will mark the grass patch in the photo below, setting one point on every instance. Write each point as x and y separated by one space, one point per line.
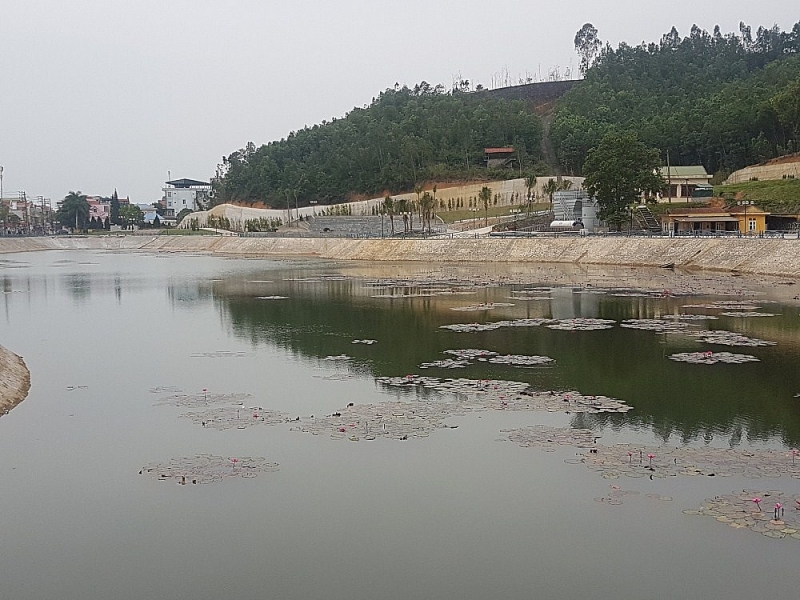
776 196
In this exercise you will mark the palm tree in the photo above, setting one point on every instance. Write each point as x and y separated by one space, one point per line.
550 188
415 206
566 185
485 196
387 208
426 205
73 210
530 183
401 208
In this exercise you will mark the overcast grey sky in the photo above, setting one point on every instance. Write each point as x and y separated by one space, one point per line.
104 94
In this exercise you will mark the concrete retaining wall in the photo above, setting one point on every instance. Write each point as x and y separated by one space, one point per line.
755 256
765 172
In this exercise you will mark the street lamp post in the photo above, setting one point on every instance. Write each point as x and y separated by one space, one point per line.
745 203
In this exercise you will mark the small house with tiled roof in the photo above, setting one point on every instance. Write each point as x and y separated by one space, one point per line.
500 158
746 219
686 183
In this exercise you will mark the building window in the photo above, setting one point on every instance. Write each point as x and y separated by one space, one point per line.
751 224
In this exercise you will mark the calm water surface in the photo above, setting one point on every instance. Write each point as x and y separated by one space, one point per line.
454 515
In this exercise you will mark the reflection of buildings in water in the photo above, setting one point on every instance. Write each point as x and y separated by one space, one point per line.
568 305
79 286
185 293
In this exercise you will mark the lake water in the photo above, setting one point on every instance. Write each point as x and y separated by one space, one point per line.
456 513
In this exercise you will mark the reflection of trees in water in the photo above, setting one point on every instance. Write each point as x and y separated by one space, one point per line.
690 402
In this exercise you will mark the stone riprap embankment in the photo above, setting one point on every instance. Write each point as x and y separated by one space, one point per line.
745 255
15 380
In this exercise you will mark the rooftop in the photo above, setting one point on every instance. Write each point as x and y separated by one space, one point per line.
696 171
508 150
186 183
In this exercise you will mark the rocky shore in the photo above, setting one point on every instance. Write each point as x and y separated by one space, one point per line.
15 380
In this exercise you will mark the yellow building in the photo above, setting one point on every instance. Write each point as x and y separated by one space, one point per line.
749 220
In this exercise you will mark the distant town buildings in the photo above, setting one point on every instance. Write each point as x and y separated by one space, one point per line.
22 215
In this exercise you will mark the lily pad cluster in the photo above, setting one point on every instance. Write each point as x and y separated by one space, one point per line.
204 398
657 325
582 324
724 305
729 338
447 363
385 420
208 468
628 460
220 354
690 317
491 394
235 417
540 436
464 358
712 358
771 513
478 327
482 306
518 360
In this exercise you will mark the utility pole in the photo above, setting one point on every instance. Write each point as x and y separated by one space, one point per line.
669 181
24 198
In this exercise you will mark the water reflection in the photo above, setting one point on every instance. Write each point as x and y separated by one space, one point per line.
679 403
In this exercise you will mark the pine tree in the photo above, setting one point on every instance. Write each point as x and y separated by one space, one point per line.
115 209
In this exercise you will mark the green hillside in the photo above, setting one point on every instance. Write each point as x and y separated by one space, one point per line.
781 196
723 101
403 138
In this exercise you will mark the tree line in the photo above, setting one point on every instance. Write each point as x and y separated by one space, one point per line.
406 136
723 101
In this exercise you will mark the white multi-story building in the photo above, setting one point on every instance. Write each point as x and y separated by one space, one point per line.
185 193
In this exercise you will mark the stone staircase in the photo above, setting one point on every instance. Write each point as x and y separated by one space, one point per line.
647 220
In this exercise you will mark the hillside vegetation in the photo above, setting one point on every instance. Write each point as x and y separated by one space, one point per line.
781 196
723 101
403 138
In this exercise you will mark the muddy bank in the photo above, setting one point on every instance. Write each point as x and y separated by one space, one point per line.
744 255
15 380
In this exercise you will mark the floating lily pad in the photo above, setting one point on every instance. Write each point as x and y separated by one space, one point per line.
206 468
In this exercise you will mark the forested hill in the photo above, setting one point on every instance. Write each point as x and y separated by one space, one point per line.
405 137
723 101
